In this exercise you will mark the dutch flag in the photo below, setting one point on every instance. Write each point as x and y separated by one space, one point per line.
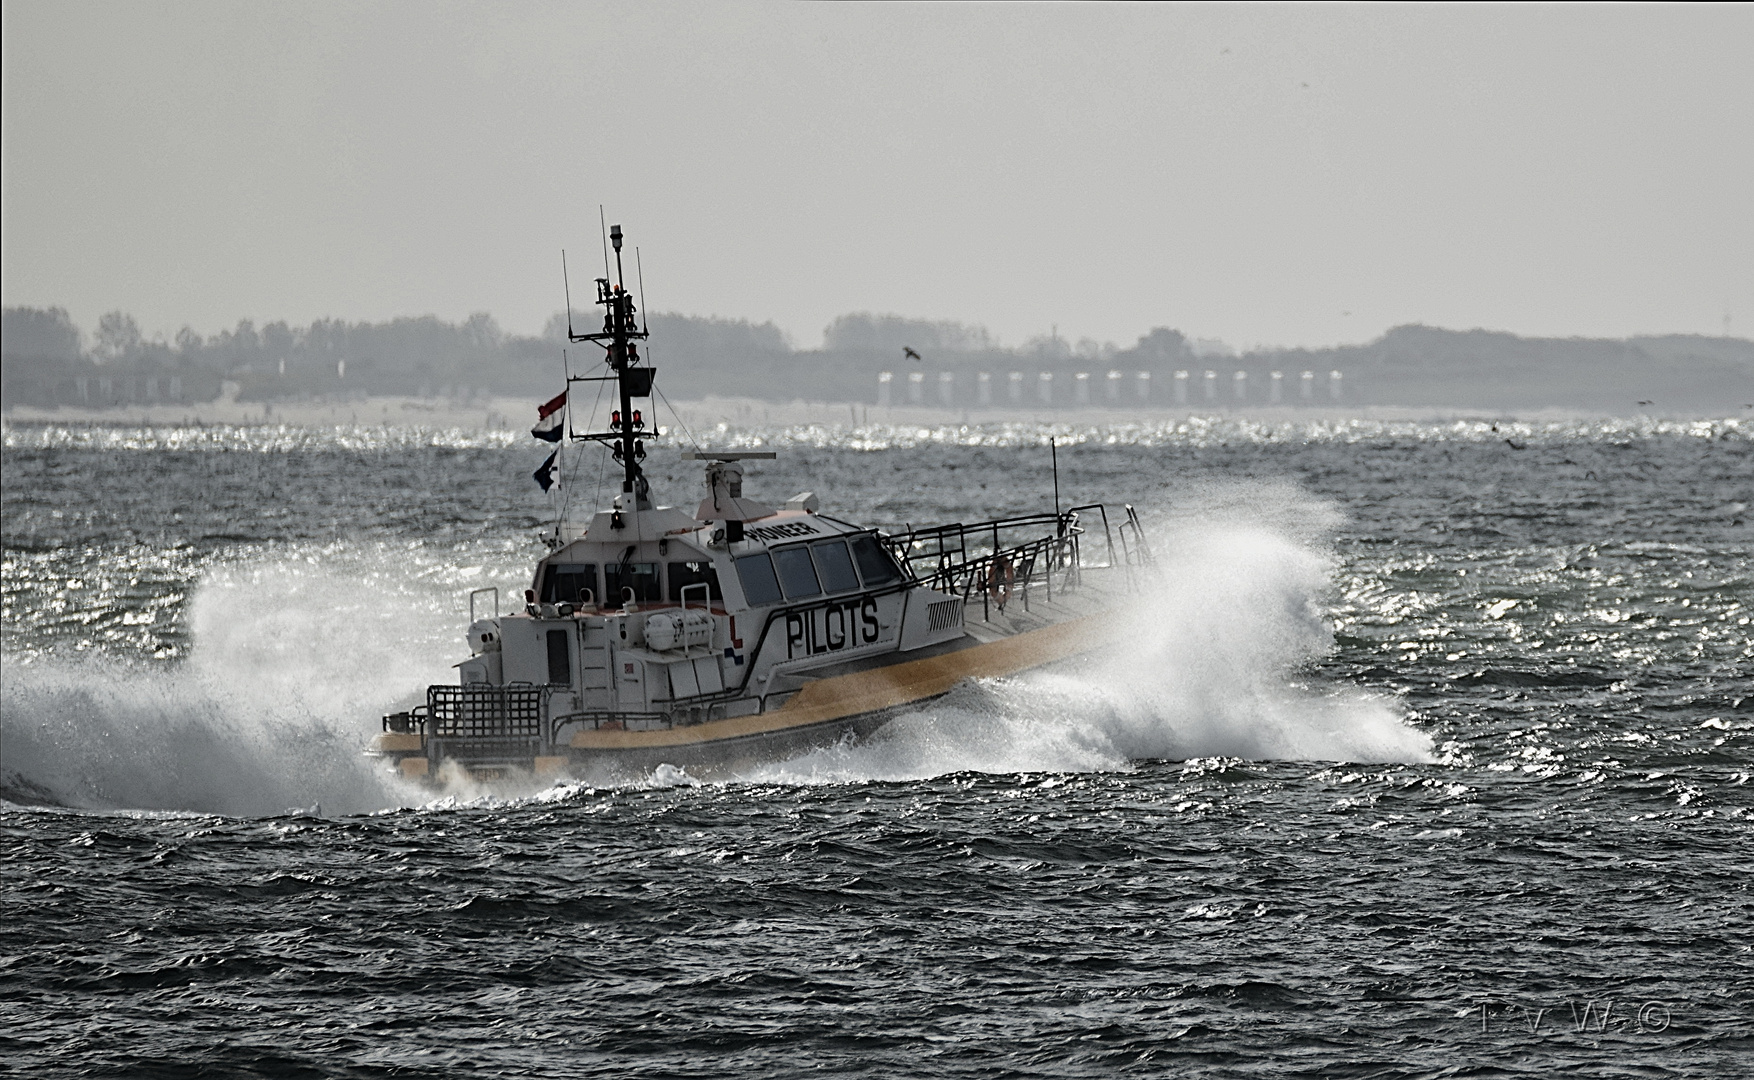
551 420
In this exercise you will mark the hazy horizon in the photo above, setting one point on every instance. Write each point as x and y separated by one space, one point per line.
1216 347
1267 177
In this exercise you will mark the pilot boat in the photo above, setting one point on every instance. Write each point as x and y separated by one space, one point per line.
739 631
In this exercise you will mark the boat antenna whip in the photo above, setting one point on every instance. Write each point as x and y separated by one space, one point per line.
567 285
1054 451
640 269
602 224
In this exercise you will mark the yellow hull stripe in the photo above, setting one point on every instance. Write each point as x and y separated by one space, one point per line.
861 692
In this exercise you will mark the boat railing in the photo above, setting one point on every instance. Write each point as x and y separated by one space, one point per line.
485 711
995 578
992 561
506 717
494 720
611 720
1135 549
408 722
473 593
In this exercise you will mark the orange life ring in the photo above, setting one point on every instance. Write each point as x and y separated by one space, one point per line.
1000 579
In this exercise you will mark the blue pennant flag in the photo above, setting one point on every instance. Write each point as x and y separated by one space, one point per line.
547 474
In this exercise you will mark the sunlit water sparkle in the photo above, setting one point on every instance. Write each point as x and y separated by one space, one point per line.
1431 735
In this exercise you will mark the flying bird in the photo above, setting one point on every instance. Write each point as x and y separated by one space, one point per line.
1647 403
909 353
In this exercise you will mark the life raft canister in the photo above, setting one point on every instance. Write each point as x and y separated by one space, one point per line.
1000 579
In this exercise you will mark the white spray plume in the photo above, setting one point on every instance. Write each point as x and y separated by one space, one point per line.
293 658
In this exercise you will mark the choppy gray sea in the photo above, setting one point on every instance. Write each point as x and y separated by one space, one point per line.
1434 760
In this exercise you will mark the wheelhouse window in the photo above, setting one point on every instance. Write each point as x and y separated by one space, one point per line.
797 575
834 566
684 574
641 577
875 565
760 586
569 583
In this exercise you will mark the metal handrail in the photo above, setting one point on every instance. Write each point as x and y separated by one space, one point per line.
473 593
598 717
953 569
1145 555
905 545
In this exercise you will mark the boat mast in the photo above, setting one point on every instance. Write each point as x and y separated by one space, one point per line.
620 332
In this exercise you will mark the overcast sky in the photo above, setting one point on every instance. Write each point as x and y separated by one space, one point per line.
1264 175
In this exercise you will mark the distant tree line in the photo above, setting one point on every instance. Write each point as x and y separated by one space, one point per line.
46 360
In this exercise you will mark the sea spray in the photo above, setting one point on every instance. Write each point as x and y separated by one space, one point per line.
1220 645
107 733
294 657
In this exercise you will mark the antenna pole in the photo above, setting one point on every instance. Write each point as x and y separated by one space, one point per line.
646 326
567 285
1055 452
603 229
